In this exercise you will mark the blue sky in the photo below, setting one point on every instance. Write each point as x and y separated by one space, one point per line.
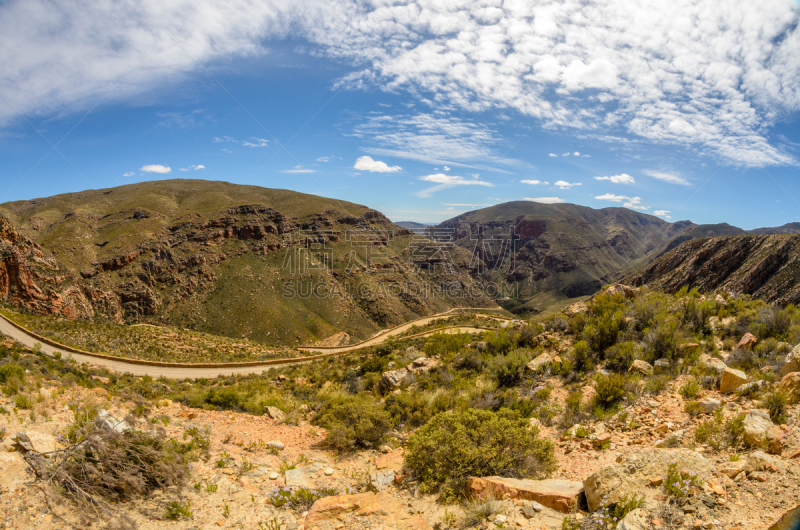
422 110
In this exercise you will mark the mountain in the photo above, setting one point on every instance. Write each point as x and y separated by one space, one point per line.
788 228
271 265
765 266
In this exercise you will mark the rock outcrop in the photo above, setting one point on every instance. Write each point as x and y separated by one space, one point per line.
559 495
380 508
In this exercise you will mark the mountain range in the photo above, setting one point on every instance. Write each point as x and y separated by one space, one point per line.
282 267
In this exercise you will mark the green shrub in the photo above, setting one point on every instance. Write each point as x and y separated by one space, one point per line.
620 357
655 385
509 370
776 402
457 445
583 358
573 403
661 341
353 421
690 389
610 390
692 408
11 372
175 510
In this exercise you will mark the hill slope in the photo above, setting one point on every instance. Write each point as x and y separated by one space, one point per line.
765 266
274 266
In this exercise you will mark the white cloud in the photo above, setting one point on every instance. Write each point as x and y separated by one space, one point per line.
622 178
443 182
552 155
663 213
193 168
366 163
628 202
446 168
532 182
682 72
129 174
667 177
564 185
156 168
298 169
324 159
576 153
224 139
545 200
256 142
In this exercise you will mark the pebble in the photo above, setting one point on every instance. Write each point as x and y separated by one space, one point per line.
274 476
328 472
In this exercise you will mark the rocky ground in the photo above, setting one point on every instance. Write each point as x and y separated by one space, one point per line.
233 486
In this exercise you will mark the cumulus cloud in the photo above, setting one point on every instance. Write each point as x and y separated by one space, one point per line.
622 178
534 182
193 168
256 142
564 185
324 159
443 182
553 155
663 213
628 202
366 163
667 177
129 174
545 200
156 168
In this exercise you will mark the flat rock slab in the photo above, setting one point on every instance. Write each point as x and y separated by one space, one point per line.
789 521
559 495
331 512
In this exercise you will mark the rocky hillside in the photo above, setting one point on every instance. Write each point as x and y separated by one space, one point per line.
765 266
275 266
562 250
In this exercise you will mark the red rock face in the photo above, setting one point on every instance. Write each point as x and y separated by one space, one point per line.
34 282
530 229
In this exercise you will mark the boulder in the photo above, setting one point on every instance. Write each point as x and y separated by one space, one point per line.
275 413
631 474
624 290
791 385
381 479
756 427
731 380
23 443
559 495
391 380
747 342
302 476
575 309
276 444
635 520
712 363
708 405
105 421
642 367
662 364
379 509
792 363
423 364
540 363
788 521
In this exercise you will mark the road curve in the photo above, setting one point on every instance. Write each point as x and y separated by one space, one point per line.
195 371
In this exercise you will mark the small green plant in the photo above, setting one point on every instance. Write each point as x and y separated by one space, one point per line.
570 524
681 483
776 402
247 466
479 510
226 510
271 525
656 384
581 432
693 408
176 509
610 515
735 457
224 459
689 389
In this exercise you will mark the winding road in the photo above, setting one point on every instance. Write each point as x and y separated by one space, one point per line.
194 371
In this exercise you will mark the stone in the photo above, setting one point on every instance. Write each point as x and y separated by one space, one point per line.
575 309
731 380
276 444
274 476
276 414
382 506
23 442
328 472
391 380
792 363
750 387
708 405
393 461
788 521
423 364
661 363
381 479
500 519
791 385
301 477
540 363
642 367
631 474
712 364
624 290
747 342
635 520
756 426
556 494
45 393
107 422
760 461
